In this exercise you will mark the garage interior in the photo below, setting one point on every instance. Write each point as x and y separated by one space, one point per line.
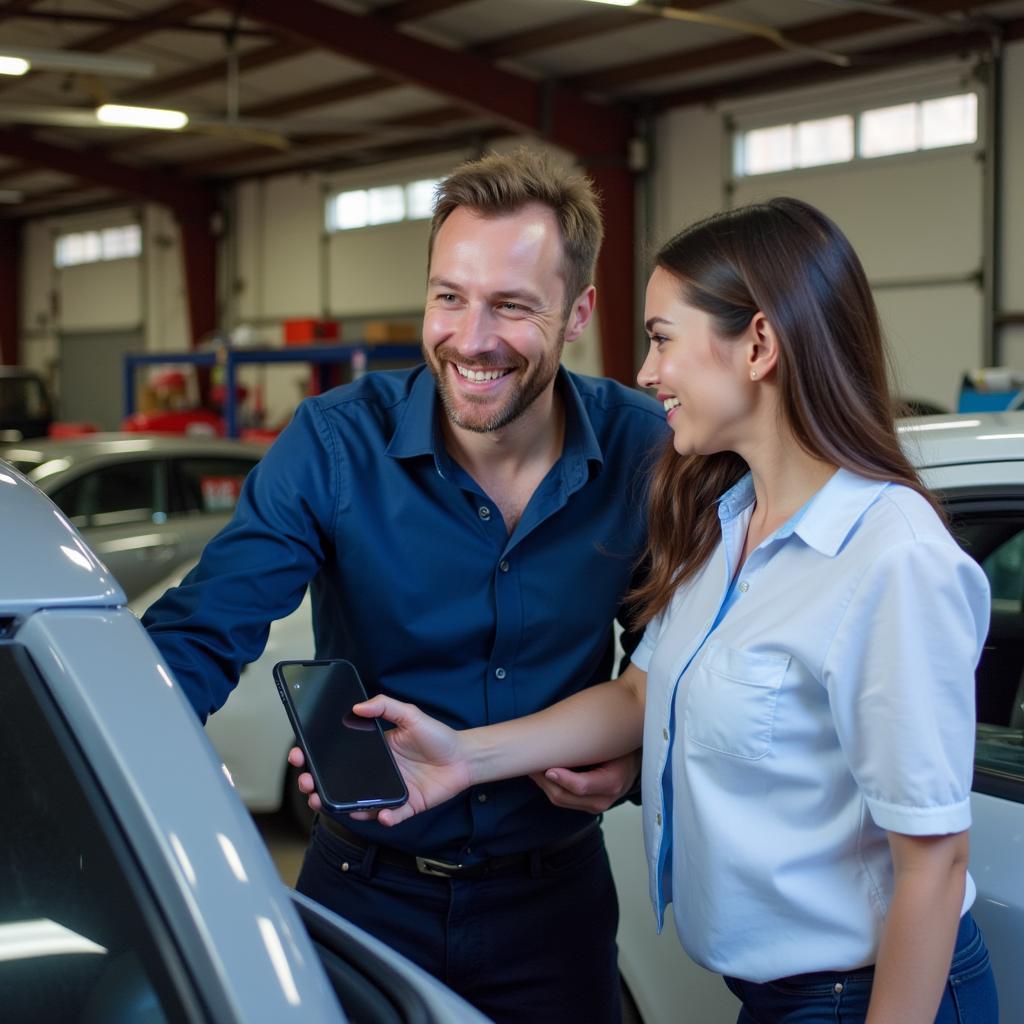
288 211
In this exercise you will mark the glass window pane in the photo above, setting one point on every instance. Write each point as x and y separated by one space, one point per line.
83 940
387 204
768 149
351 210
828 140
889 130
950 121
419 199
121 242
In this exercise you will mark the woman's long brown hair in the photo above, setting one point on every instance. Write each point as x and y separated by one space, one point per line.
789 261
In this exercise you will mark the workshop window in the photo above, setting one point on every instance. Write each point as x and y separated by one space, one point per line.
384 204
116 243
865 134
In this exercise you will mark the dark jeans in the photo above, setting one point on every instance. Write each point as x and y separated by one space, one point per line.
836 997
525 947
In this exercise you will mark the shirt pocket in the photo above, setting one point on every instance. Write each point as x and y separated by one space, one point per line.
730 705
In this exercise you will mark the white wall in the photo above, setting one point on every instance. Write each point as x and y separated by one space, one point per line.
278 262
915 217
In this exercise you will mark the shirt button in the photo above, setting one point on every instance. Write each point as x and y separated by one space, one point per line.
503 565
484 512
744 587
838 988
657 817
664 733
481 798
499 673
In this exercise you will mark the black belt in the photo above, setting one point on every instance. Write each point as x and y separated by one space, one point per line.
450 869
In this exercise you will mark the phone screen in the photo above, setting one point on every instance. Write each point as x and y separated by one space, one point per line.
347 755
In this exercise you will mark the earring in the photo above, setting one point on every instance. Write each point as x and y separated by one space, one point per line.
753 374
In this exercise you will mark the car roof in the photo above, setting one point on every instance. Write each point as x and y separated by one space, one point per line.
964 438
94 445
45 563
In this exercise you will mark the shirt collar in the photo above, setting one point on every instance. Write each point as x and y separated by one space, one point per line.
826 520
418 431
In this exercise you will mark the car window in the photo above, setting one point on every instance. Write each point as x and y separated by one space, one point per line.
128 491
207 485
996 541
81 938
22 398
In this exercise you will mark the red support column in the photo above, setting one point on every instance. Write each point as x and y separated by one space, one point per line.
618 317
10 292
199 253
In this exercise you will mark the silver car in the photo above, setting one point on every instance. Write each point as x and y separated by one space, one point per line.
133 884
144 504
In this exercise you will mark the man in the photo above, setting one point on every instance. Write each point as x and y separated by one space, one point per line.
468 530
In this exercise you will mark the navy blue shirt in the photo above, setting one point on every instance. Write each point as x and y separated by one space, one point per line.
415 579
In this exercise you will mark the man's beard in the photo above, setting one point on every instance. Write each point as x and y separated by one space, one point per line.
527 389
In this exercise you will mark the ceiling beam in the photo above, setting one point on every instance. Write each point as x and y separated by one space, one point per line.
120 35
571 30
866 62
735 50
550 110
436 117
214 71
15 7
410 10
66 17
186 199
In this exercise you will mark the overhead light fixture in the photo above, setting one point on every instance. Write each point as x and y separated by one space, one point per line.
13 65
77 60
616 3
142 117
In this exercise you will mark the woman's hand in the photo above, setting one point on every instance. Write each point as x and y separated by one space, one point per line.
431 757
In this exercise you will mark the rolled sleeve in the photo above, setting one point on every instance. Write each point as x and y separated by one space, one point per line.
641 656
900 679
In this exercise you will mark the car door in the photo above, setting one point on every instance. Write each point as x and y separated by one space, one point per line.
989 523
203 492
120 507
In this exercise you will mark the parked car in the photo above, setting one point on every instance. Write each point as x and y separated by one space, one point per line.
977 464
133 883
26 408
143 504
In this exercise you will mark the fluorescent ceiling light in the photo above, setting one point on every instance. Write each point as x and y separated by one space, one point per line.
142 117
77 60
13 65
616 3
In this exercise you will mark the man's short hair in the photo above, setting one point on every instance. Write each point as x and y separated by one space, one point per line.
503 183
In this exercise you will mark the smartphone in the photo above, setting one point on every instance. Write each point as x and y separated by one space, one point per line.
348 756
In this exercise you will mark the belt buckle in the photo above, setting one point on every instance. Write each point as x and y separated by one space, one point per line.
439 868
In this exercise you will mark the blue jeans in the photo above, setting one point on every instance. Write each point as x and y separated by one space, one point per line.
533 946
841 997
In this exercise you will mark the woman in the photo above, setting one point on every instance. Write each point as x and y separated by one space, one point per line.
804 688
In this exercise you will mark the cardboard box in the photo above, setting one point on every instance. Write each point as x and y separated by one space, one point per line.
380 332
